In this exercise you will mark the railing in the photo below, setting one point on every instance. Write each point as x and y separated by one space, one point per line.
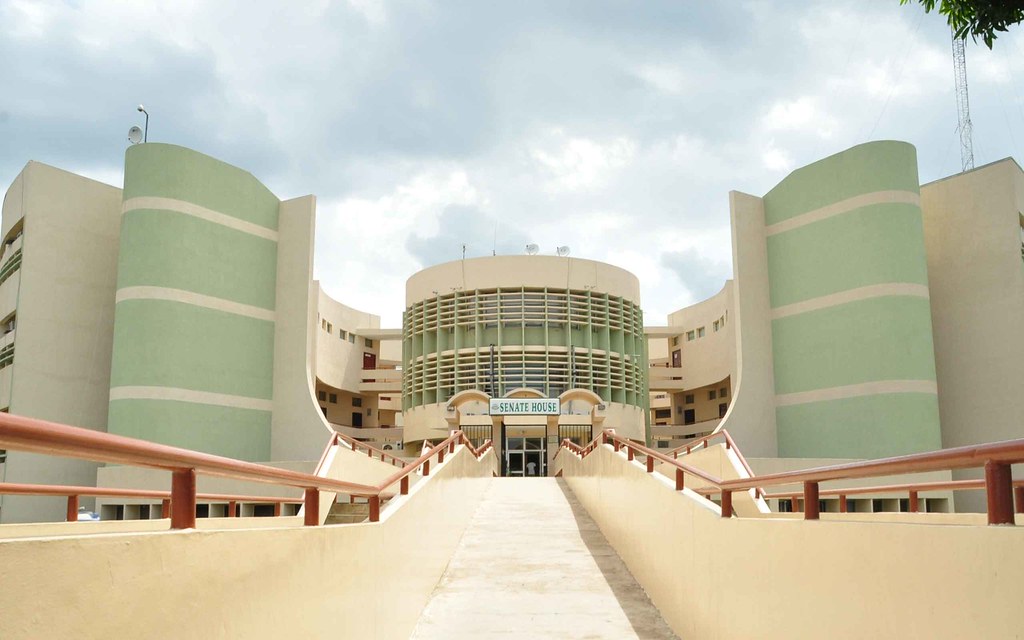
73 493
995 458
911 489
689 447
371 450
49 438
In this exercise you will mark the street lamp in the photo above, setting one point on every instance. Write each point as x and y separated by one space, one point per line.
145 133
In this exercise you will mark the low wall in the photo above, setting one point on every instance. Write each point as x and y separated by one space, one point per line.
782 578
367 580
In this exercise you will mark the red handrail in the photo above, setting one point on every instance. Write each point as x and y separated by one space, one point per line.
73 493
912 489
39 436
370 449
996 458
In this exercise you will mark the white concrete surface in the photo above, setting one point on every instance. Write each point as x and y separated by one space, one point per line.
532 564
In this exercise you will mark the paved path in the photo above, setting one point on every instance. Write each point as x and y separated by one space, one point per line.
532 564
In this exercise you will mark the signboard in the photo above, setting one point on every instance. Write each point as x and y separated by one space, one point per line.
524 407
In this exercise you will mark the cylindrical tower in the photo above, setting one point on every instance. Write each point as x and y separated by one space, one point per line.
194 321
523 327
854 362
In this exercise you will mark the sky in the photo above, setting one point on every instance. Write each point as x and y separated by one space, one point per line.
614 128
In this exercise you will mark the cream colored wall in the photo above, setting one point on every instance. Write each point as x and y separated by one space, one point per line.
751 415
346 581
344 464
785 578
711 358
521 271
298 429
976 282
65 314
340 362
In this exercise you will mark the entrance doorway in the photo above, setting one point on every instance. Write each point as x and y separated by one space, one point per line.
526 457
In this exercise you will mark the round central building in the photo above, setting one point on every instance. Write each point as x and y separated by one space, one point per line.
526 351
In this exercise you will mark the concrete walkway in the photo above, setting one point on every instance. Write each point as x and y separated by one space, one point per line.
532 564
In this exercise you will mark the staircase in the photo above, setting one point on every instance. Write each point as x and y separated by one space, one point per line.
532 564
347 513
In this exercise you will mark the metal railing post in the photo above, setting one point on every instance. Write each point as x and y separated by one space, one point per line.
680 479
72 515
440 456
311 502
451 446
650 463
629 452
999 492
426 468
842 503
374 508
726 503
183 499
811 506
404 486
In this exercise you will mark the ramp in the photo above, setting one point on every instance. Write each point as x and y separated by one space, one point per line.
533 564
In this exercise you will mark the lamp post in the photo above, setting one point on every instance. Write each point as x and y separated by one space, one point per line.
145 133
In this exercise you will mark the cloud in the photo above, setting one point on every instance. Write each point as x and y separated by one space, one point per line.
616 129
702 276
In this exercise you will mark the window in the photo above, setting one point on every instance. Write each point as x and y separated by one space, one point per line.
675 341
711 394
689 335
700 332
342 334
663 444
352 338
324 409
722 408
333 398
689 398
321 395
662 413
357 402
323 324
330 328
723 392
689 417
369 343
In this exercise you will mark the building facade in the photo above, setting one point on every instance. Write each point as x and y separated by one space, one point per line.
542 327
868 316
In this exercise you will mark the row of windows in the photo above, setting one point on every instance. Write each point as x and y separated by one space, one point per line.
712 395
351 337
332 398
700 332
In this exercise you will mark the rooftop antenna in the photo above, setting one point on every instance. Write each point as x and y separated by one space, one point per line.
563 251
145 133
463 250
494 247
963 107
532 249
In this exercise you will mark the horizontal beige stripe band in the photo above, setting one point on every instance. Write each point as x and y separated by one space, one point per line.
852 295
196 299
216 217
843 206
856 391
190 395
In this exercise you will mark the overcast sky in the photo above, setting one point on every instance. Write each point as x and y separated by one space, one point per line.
617 128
